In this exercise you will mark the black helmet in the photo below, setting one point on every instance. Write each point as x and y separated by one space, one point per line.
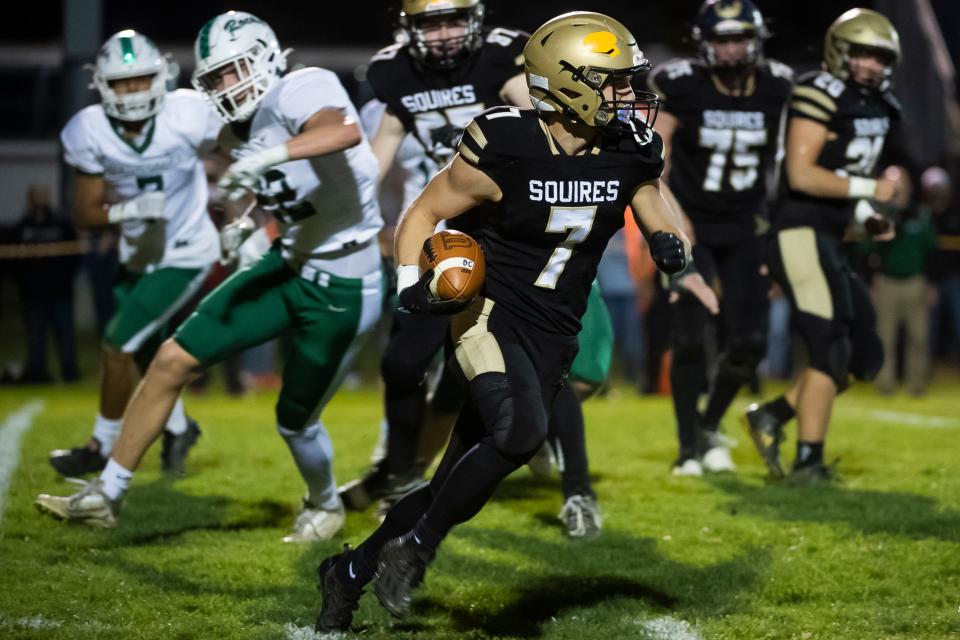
718 18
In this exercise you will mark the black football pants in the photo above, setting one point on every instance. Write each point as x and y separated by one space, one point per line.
734 270
513 375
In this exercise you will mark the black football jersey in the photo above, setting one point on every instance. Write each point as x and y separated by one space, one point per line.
543 240
431 103
859 121
724 146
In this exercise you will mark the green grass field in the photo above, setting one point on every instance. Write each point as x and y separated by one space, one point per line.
877 556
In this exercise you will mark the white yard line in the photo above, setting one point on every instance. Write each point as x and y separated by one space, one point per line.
901 418
11 431
667 628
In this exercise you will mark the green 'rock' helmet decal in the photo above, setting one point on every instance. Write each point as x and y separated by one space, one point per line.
205 39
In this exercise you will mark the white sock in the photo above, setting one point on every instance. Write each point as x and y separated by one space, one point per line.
106 432
177 422
115 479
313 453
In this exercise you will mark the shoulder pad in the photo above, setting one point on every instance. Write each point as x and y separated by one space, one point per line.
384 71
186 99
669 79
387 53
779 70
506 37
486 136
505 48
815 96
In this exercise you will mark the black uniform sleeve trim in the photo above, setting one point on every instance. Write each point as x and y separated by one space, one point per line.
88 173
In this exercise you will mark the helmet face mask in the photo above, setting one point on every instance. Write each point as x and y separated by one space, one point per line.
737 52
124 56
233 89
583 65
862 47
721 26
622 110
238 61
870 67
442 34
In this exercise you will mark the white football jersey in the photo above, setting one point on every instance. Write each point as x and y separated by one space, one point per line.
164 158
321 203
412 157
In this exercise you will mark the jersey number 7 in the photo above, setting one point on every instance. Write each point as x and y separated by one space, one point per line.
577 223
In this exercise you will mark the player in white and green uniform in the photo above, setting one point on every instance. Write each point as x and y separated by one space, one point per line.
299 148
141 144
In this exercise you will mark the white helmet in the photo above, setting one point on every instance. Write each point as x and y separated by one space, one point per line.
249 47
129 54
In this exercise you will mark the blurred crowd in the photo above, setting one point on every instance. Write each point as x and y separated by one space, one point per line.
915 280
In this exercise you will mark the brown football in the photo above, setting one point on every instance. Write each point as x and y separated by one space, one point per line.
457 263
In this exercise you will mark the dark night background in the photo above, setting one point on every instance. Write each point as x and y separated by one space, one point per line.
798 26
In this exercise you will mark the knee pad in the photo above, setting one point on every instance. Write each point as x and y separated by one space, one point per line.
514 429
293 415
867 357
743 354
832 357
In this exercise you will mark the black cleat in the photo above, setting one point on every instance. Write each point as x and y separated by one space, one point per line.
767 434
810 474
339 600
377 485
76 462
400 570
173 457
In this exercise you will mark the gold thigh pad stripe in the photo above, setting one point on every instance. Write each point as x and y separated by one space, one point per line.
477 349
801 261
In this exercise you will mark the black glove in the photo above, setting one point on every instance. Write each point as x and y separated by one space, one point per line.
417 299
667 252
448 136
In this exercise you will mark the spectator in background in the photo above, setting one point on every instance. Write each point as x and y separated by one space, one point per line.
619 292
901 289
778 363
936 182
45 278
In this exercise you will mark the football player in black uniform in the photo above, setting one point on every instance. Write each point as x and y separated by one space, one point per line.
550 186
839 121
446 69
721 117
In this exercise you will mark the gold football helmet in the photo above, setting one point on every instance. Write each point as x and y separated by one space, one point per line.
569 61
864 29
442 53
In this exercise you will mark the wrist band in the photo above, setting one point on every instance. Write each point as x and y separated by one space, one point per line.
407 275
861 188
275 155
